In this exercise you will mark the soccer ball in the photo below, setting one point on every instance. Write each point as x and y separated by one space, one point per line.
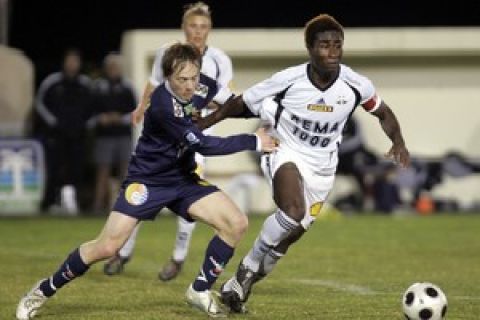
424 301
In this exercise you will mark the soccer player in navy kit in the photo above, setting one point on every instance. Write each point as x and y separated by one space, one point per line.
161 175
196 25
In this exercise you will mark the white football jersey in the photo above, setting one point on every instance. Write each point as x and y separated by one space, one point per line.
307 120
215 64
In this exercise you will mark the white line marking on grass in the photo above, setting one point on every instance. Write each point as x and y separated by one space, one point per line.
360 290
464 298
352 288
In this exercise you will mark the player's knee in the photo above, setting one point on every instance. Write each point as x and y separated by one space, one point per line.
295 210
240 224
238 227
108 249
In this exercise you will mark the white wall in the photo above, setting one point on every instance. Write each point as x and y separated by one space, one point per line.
16 91
429 76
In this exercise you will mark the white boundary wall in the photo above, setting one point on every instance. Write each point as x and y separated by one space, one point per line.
429 76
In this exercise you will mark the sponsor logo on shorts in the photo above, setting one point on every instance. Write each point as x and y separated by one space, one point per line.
315 209
136 194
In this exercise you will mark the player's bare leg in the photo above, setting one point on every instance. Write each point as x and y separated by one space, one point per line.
115 232
289 197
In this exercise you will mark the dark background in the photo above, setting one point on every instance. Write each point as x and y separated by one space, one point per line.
44 29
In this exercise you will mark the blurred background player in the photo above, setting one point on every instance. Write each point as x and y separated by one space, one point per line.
196 24
161 174
308 106
114 101
64 104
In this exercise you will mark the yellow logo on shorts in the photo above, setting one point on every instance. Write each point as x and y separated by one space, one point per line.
315 209
136 194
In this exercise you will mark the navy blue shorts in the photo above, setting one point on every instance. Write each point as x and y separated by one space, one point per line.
144 202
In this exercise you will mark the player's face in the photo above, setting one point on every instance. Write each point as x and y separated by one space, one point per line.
196 30
184 80
327 51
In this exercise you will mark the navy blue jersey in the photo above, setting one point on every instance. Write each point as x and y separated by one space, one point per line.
165 150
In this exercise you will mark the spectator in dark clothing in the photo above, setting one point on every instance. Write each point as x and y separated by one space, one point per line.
356 160
64 104
114 100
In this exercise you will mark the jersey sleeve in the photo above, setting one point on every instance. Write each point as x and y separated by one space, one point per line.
216 92
188 136
254 95
369 99
156 77
225 69
223 94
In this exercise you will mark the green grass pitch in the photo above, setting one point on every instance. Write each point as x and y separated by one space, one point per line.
353 267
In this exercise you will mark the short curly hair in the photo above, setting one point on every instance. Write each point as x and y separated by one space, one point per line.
320 23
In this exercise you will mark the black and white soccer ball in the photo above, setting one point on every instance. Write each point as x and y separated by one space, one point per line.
424 301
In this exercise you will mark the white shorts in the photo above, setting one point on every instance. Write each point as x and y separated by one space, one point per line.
316 185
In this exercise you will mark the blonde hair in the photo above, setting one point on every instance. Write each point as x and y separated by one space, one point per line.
199 8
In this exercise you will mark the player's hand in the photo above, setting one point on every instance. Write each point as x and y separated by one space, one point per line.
137 114
196 115
399 154
269 144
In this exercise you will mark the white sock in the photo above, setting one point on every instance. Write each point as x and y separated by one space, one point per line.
275 228
182 241
270 261
127 249
68 199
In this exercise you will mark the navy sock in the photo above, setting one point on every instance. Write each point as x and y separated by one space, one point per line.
217 256
72 267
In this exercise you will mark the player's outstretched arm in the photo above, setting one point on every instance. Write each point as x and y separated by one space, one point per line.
398 152
233 108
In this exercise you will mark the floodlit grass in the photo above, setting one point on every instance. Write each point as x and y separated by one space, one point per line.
349 268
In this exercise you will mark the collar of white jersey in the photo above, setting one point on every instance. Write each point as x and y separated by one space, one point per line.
309 65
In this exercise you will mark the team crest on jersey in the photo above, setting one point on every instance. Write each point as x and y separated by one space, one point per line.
136 194
320 106
177 109
201 90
